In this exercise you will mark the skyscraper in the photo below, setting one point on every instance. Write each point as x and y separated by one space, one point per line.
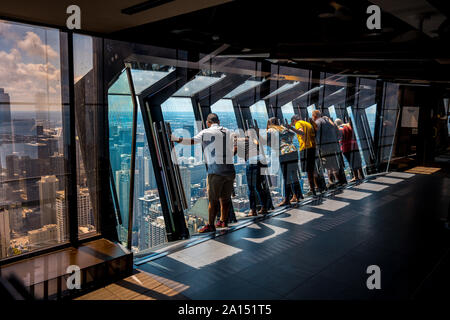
61 217
32 168
139 185
48 185
151 210
4 232
12 166
157 232
84 208
5 112
123 193
16 219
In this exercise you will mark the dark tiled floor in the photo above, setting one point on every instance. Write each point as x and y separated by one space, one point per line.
322 250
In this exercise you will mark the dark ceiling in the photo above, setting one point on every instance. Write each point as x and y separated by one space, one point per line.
325 35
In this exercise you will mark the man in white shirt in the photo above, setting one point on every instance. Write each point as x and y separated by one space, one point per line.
219 149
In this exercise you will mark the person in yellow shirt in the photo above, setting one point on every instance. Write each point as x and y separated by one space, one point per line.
306 135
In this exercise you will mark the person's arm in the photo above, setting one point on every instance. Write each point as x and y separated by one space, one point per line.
182 140
198 138
296 130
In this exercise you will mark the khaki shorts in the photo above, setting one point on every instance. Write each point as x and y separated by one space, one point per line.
219 187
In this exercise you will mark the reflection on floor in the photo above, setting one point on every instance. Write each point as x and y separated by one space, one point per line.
317 251
139 286
423 170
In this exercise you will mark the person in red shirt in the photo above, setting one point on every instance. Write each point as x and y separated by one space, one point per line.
349 147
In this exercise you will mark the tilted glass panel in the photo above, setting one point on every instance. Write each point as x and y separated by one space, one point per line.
196 85
247 85
259 113
332 111
389 122
179 113
281 89
371 114
120 118
224 109
333 115
149 228
34 126
142 79
310 109
288 111
355 130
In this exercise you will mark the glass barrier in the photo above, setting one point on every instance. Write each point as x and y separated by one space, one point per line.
259 114
180 114
120 118
352 118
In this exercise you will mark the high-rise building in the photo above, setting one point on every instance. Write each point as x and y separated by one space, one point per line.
37 150
123 193
32 174
85 217
139 185
12 165
61 217
5 112
16 219
151 210
157 232
57 168
5 231
48 185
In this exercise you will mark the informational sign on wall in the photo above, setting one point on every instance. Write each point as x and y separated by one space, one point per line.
410 117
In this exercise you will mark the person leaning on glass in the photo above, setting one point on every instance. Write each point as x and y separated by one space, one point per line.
288 160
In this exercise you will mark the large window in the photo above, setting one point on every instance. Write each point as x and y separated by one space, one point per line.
87 104
34 127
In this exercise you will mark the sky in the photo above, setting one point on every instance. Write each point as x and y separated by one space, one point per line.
30 64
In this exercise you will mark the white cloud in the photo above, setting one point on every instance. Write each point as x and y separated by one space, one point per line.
33 46
24 80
